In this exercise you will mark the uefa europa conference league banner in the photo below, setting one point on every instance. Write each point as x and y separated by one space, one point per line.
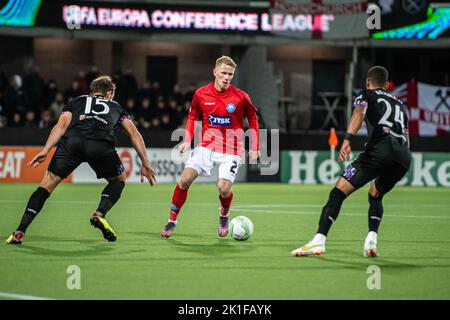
315 167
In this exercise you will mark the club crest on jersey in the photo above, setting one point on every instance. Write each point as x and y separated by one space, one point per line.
222 121
231 107
360 103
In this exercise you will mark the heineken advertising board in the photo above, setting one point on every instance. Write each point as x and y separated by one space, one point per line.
427 169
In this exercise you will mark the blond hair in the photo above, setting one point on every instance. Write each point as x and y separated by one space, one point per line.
102 84
226 60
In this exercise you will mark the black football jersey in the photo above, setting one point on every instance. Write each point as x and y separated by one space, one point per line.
94 117
385 114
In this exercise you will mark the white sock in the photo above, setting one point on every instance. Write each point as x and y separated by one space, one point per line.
372 236
319 238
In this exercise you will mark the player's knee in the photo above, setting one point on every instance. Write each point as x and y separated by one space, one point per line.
224 189
375 200
184 183
50 182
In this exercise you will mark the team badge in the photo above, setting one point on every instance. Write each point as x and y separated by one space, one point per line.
231 107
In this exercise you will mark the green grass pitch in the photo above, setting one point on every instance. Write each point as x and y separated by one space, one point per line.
414 244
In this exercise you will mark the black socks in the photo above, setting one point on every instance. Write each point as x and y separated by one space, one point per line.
34 206
375 213
110 196
331 210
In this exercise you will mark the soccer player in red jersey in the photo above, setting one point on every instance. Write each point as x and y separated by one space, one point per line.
222 108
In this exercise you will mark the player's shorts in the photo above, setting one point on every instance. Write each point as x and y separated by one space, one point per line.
202 160
379 162
100 155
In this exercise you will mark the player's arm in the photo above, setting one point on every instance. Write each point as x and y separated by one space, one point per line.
139 145
355 124
55 135
194 114
250 113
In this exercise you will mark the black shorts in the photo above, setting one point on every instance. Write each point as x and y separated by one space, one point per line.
385 162
100 155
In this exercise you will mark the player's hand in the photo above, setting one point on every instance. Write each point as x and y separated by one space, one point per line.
184 147
344 153
148 172
253 155
38 159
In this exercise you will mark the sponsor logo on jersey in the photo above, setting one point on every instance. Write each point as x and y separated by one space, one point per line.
349 172
210 103
222 121
231 107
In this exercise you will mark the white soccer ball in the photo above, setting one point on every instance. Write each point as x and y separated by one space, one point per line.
241 228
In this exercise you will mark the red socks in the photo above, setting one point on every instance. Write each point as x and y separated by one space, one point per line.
178 199
226 203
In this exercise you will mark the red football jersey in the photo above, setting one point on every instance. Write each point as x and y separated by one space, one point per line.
222 115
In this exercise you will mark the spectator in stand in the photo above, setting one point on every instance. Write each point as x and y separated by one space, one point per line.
3 120
92 74
133 112
174 114
16 120
84 87
128 84
176 94
166 123
46 120
56 107
146 113
161 105
50 93
14 98
155 123
189 94
72 92
156 88
146 92
30 120
34 88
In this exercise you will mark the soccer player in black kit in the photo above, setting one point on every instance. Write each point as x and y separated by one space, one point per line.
386 159
85 133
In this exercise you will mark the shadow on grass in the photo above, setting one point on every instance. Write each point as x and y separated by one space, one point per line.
154 235
75 247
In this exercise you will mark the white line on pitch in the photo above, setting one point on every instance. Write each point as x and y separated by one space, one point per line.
21 296
344 213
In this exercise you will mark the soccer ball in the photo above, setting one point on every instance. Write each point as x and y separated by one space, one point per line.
241 228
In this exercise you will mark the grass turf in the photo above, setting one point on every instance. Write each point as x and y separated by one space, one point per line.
414 243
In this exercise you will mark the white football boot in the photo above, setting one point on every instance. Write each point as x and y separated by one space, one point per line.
370 245
310 249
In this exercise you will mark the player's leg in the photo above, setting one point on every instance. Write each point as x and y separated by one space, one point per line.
355 175
64 161
110 195
34 206
178 199
228 168
104 160
382 185
225 197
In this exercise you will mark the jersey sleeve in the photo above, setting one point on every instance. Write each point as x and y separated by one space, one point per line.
123 115
405 121
194 114
361 100
69 106
250 114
